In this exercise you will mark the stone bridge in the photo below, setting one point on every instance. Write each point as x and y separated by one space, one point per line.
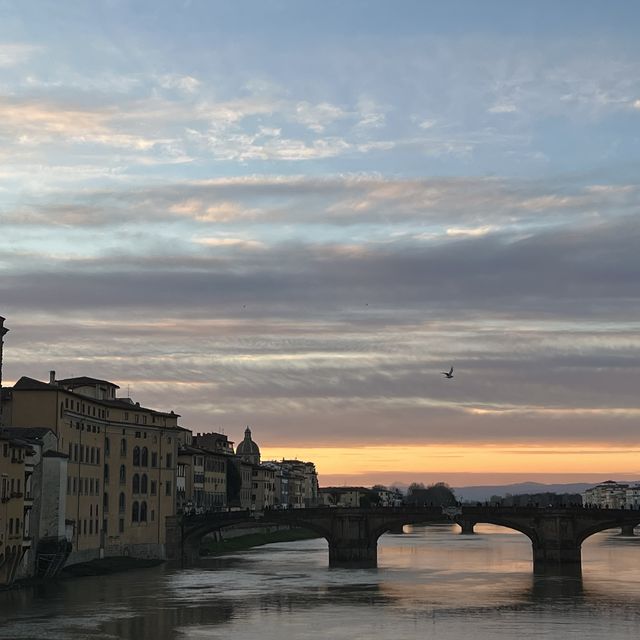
556 534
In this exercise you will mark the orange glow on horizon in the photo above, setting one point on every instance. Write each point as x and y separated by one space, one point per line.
481 459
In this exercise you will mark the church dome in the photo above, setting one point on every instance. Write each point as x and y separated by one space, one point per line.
248 448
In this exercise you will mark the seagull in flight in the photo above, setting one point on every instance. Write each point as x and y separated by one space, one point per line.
448 374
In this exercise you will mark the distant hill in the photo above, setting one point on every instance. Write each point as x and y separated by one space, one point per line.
482 493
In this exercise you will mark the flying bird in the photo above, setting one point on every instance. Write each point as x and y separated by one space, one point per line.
448 374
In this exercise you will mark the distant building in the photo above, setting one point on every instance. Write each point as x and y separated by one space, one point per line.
613 495
202 480
296 483
345 496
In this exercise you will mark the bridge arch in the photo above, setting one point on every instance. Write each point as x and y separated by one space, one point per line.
614 523
195 529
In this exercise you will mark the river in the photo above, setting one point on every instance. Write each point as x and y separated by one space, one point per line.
431 583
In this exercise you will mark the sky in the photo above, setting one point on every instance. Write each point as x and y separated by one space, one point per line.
294 215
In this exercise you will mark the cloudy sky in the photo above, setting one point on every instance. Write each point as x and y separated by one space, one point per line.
294 215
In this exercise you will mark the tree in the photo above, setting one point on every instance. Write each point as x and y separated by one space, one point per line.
369 499
415 486
439 495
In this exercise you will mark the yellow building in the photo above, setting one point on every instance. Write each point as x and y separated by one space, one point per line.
121 482
13 542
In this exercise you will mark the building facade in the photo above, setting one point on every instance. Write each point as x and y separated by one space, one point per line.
613 495
14 541
122 460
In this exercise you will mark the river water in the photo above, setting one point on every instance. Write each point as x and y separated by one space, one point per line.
431 583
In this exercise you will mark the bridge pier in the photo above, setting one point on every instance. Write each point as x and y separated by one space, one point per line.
557 558
466 526
627 530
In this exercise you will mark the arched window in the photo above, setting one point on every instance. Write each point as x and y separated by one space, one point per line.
136 456
136 483
144 460
121 503
143 483
143 512
123 474
107 447
135 512
123 447
106 474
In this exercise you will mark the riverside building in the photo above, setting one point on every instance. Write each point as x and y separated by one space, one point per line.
122 457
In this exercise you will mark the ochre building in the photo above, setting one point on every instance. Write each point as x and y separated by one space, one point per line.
122 461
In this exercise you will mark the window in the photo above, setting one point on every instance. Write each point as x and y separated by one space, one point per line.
169 460
154 459
136 483
136 456
121 503
143 483
107 447
123 474
93 455
97 455
153 488
121 525
123 447
75 452
135 512
106 474
143 512
144 458
105 502
168 488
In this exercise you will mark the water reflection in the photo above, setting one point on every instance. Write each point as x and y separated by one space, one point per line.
431 582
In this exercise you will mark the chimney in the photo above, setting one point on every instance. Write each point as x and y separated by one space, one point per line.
52 377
